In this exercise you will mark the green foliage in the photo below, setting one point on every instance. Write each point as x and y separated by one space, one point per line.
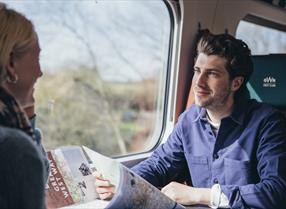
76 108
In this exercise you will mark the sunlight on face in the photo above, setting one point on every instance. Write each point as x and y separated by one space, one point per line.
211 83
28 70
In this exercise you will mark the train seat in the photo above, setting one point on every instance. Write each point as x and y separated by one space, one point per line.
268 82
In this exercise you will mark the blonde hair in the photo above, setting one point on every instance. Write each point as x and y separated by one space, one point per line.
16 36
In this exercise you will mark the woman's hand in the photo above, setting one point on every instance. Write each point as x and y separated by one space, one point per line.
103 187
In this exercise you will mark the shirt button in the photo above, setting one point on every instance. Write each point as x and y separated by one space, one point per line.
215 181
215 156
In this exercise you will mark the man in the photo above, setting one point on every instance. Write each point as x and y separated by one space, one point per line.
232 148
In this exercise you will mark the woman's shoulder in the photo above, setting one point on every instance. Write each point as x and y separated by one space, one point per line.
22 171
10 135
13 140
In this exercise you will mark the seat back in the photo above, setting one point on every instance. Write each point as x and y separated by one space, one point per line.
268 81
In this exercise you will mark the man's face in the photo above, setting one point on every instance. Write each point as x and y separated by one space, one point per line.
211 84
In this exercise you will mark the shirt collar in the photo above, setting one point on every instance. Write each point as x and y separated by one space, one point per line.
239 111
237 115
201 114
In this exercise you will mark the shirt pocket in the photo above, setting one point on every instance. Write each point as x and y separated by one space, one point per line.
237 172
199 170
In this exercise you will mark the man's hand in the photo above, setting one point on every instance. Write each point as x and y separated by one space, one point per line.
103 187
187 195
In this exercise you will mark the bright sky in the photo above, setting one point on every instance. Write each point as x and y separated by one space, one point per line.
124 39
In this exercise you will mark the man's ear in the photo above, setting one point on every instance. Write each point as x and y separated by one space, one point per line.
236 83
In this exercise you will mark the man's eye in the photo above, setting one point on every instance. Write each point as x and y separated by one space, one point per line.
213 73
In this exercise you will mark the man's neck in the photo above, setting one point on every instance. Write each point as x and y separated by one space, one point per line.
220 112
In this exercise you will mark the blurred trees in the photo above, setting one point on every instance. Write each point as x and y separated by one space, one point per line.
76 113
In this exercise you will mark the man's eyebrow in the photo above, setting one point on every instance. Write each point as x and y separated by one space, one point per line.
215 70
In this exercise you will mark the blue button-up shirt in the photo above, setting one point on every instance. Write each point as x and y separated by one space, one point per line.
247 157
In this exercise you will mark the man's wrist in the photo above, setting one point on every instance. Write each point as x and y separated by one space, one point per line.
203 196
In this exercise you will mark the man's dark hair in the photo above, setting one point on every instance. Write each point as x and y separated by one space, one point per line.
236 53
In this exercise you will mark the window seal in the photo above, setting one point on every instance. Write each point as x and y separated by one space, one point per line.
264 22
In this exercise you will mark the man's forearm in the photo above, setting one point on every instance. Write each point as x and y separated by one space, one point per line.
202 195
187 195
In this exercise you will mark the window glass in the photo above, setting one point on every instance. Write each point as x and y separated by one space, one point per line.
105 72
260 39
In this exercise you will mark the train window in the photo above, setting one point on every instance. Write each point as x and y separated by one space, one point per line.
105 72
261 39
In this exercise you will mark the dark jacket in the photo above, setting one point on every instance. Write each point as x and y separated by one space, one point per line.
22 171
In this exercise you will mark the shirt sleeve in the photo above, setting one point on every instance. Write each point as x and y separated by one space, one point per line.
167 163
270 191
218 198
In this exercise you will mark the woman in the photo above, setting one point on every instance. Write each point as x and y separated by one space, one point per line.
24 167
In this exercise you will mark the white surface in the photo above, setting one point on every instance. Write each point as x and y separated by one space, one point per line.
96 204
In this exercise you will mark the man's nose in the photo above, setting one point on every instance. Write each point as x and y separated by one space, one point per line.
201 80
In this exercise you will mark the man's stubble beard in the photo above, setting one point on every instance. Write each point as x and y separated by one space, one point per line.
213 103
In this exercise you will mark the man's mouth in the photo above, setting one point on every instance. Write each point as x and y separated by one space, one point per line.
201 92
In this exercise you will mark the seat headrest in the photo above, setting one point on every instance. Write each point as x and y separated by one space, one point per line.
268 81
